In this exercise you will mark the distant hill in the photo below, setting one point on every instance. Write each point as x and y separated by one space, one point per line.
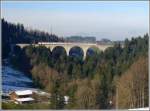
86 39
104 41
90 39
107 41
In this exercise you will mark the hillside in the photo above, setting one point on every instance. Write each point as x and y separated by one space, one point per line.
17 33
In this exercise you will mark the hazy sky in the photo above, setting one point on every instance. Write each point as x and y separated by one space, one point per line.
114 20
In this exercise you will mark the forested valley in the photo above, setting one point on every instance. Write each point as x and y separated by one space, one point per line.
115 78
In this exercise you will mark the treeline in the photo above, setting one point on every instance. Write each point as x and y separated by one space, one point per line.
103 80
85 39
17 33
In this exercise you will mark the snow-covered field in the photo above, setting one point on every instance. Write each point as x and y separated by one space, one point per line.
142 109
14 80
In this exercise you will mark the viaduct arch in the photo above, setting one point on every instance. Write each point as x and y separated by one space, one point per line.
68 46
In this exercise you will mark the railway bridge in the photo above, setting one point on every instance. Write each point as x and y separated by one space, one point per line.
68 46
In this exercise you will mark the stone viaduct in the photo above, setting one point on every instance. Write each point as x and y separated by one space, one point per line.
69 46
